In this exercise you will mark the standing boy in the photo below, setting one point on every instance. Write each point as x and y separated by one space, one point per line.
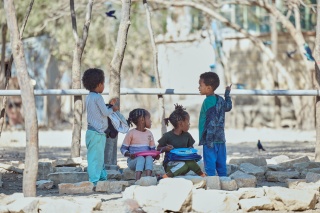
97 118
211 124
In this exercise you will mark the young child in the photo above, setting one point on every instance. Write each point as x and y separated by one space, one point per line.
137 140
97 118
211 124
179 137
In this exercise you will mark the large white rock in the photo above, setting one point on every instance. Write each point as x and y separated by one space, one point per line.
213 201
251 193
198 181
147 196
306 186
262 203
7 199
177 194
128 193
4 209
26 204
59 205
291 199
292 183
88 204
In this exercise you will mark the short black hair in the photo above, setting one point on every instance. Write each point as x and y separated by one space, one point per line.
179 114
92 78
135 114
210 79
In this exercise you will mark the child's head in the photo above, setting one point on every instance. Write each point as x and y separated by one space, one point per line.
140 117
93 80
208 83
179 118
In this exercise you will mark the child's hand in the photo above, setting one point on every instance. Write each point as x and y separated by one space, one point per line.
132 156
229 87
115 102
115 108
169 148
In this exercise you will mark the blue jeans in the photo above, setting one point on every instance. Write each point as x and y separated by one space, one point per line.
140 163
215 159
95 143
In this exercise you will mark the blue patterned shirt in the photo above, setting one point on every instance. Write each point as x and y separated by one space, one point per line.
213 131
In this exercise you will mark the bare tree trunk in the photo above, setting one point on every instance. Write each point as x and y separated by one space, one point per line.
76 75
274 46
115 73
3 99
3 55
7 69
307 102
28 101
317 62
155 68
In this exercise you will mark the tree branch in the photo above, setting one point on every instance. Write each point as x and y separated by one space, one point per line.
25 19
87 23
74 21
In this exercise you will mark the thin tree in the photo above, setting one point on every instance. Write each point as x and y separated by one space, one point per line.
115 73
28 100
155 67
274 47
5 70
3 76
76 74
317 62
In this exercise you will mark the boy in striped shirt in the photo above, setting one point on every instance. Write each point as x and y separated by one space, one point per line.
97 118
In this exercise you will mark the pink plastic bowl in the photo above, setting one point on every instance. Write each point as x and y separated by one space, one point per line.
152 153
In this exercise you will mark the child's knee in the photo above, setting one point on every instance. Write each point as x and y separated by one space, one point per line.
141 159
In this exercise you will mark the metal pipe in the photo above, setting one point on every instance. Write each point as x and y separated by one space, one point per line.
157 91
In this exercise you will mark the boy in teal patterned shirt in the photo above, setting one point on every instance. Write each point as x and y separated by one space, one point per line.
211 124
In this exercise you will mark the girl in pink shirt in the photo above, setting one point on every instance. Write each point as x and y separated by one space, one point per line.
137 140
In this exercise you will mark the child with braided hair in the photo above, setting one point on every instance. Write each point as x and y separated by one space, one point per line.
178 137
138 140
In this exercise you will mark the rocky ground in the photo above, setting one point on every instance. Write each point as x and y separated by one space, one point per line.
294 144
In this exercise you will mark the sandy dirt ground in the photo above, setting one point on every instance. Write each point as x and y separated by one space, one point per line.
240 143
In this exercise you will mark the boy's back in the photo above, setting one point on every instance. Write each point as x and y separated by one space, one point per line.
97 112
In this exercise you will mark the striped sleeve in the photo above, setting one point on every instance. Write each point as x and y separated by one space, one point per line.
126 143
103 108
